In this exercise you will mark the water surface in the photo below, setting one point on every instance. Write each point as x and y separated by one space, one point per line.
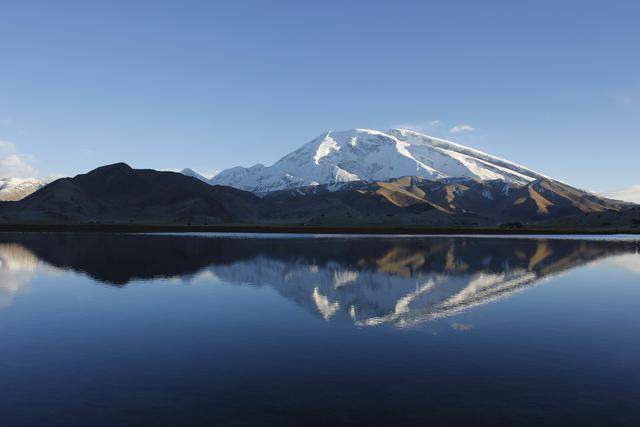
294 330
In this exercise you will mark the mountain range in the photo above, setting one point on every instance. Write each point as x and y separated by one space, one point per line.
358 178
118 194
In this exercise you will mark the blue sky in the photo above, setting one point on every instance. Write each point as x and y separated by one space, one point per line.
553 85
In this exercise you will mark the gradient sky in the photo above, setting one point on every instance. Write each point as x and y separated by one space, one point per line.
553 85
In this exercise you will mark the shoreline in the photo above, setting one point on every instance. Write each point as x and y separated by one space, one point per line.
273 229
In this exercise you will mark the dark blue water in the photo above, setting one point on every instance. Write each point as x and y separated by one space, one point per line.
210 330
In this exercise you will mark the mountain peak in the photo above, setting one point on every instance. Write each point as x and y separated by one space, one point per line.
115 167
190 172
337 157
404 131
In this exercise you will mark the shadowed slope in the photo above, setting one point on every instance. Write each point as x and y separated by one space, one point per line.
118 193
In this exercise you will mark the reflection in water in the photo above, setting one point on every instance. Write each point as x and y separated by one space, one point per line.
17 268
368 281
629 262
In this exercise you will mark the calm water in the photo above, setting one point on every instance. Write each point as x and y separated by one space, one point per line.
180 330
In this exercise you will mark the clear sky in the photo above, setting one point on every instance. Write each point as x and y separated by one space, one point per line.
553 85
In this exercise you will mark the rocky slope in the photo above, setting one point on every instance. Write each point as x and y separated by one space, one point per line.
453 202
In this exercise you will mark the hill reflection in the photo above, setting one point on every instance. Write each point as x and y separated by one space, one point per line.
368 281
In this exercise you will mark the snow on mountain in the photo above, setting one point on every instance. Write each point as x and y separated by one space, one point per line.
12 189
368 155
631 194
190 172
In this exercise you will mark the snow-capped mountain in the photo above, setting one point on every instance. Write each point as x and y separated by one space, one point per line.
631 194
369 155
190 172
12 189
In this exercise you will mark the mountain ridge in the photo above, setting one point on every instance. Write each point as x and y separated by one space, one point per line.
119 194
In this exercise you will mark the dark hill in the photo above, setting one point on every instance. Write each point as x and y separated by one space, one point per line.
119 194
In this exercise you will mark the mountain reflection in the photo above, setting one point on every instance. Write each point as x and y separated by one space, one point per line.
368 281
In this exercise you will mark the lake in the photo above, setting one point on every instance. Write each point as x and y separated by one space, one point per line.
126 329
